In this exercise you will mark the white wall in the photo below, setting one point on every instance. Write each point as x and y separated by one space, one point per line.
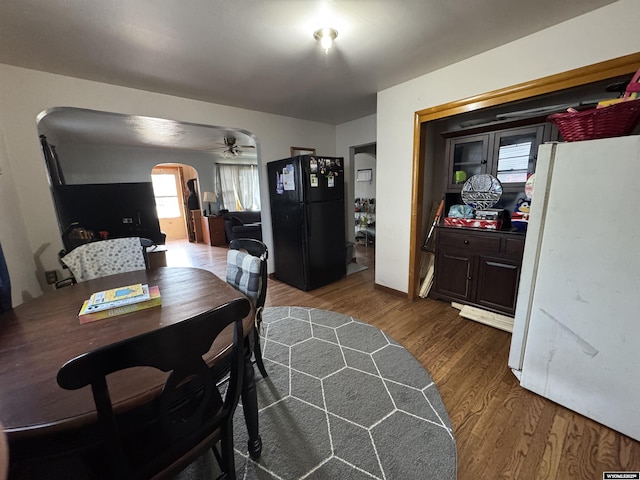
115 164
365 161
28 228
604 34
348 136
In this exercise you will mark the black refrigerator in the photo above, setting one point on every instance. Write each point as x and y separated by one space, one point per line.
307 216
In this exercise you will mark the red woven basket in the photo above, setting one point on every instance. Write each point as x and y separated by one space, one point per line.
613 121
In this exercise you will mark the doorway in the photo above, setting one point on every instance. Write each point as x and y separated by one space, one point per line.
171 194
363 160
365 197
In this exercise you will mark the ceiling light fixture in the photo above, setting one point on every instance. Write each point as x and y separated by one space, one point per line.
326 36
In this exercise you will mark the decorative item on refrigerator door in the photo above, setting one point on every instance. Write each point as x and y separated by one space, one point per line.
288 178
322 166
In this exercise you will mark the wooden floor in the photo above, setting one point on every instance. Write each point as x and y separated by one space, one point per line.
502 430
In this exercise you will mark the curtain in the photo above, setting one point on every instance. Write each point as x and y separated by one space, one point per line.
239 187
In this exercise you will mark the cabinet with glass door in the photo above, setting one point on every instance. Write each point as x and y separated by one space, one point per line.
507 154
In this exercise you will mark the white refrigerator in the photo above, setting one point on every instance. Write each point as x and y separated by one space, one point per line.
576 336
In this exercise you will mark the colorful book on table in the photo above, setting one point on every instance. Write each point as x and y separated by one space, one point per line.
117 297
87 316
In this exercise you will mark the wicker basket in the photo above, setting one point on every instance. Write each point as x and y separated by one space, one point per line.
612 121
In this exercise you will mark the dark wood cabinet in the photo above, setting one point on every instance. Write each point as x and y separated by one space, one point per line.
497 287
213 231
481 267
508 154
478 267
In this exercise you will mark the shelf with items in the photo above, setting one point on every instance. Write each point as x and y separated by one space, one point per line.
365 226
365 205
365 220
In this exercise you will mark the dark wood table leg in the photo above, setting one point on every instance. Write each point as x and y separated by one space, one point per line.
250 404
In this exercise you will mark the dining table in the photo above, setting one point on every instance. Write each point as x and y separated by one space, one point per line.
40 335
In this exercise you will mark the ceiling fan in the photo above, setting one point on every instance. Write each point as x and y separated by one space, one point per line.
231 147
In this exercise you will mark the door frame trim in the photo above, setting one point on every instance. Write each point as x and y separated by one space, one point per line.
573 78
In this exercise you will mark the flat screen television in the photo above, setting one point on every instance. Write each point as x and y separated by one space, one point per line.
121 209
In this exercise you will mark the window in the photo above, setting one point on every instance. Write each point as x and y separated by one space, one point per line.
513 162
239 187
166 193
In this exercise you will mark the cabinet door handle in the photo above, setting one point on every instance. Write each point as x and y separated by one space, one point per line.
483 161
466 242
469 277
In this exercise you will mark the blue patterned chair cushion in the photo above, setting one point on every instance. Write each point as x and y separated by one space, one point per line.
243 273
106 257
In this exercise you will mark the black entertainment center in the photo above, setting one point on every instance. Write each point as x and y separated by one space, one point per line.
120 209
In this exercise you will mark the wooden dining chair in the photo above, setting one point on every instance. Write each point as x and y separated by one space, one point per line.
189 416
247 272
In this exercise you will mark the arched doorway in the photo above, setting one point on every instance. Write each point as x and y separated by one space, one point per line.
173 185
102 148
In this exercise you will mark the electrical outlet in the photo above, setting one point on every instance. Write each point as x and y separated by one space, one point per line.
127 220
51 276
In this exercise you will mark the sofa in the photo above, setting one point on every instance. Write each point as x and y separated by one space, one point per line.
243 224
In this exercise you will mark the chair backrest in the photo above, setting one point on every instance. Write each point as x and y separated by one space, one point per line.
187 417
247 272
105 257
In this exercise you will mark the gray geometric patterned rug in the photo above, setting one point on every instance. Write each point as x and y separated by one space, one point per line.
342 401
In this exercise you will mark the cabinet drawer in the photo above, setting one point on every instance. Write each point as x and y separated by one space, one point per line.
463 240
514 246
